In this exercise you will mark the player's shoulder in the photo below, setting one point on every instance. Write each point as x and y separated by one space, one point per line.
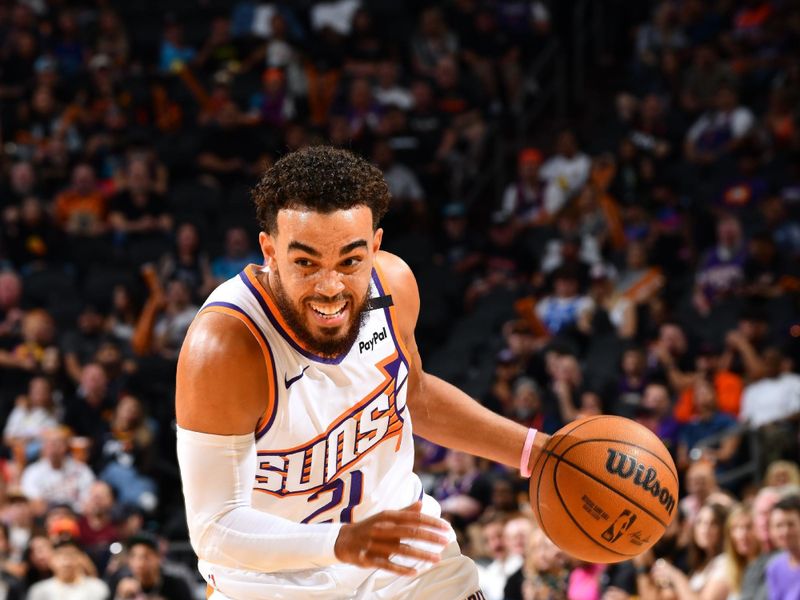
219 338
402 285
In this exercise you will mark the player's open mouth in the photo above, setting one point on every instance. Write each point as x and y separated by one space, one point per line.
329 314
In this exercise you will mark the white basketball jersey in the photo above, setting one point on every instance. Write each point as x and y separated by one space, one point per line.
335 443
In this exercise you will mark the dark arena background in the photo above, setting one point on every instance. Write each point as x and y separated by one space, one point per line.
600 200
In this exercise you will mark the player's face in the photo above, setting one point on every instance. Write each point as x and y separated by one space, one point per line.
320 268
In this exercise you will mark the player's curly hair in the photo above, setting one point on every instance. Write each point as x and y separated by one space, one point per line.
323 179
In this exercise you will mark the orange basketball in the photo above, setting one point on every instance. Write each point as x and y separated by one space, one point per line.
604 489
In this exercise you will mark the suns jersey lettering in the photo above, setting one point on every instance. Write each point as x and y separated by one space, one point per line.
335 442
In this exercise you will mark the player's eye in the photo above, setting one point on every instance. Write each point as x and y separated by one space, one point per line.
351 262
303 263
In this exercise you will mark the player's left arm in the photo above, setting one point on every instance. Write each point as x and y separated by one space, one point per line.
440 411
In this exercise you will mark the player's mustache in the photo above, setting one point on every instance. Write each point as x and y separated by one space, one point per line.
331 299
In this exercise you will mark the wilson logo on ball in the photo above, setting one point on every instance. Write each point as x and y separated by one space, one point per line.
626 466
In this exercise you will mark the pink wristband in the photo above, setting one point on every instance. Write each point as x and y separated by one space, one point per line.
524 469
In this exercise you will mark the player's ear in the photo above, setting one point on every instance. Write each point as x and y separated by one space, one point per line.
377 237
267 244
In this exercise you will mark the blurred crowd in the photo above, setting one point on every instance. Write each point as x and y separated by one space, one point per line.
644 264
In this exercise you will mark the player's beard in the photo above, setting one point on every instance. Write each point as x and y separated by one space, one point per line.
332 342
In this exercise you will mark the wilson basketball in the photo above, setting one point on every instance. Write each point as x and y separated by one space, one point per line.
604 489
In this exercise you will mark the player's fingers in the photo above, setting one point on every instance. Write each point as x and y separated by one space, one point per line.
407 532
414 518
387 565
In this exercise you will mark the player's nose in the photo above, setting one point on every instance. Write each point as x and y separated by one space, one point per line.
329 284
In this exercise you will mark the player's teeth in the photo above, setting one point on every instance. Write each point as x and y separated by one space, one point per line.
328 312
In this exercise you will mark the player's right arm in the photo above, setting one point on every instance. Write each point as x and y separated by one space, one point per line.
221 393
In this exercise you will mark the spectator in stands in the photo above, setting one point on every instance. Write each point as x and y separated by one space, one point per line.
97 529
388 91
68 580
87 410
407 206
754 580
81 345
164 321
720 131
238 254
432 41
706 561
137 211
721 270
524 197
33 413
566 171
464 490
175 53
741 549
493 576
22 183
273 105
56 476
783 580
127 454
781 474
655 413
708 366
32 239
144 567
701 486
81 209
708 422
544 573
563 308
11 312
187 262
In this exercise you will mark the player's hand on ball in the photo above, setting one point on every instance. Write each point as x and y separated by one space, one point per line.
376 541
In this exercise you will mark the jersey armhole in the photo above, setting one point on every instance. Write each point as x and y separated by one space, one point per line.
391 313
266 419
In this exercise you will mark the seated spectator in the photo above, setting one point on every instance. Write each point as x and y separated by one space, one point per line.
56 477
662 33
562 309
408 198
524 197
81 345
127 455
464 490
544 573
700 483
783 579
493 576
632 382
144 572
388 90
124 313
187 262
745 189
527 407
229 150
774 398
87 411
33 413
767 272
68 580
432 41
709 421
719 131
745 345
609 313
566 171
273 105
81 209
137 211
97 529
741 549
174 53
721 270
238 254
655 413
706 560
164 321
11 312
516 533
782 473
708 366
31 237
754 584
22 183
36 352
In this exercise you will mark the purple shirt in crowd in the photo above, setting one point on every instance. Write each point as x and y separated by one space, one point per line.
783 578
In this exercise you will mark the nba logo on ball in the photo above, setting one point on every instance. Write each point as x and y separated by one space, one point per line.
604 489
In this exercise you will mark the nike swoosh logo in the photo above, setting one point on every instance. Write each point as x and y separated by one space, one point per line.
289 382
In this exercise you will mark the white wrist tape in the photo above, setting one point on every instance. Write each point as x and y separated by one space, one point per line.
218 472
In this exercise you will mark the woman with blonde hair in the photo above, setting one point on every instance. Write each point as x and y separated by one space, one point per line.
781 473
741 547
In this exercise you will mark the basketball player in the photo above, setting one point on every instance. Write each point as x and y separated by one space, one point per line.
297 387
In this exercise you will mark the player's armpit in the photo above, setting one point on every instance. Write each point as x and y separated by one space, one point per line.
221 381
